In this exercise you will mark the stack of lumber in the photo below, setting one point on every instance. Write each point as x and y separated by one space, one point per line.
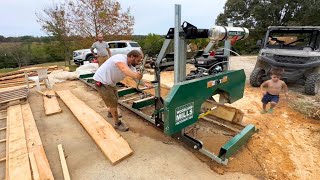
17 78
12 94
109 141
25 155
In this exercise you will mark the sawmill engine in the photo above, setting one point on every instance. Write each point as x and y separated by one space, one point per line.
208 64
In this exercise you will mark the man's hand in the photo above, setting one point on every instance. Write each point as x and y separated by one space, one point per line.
138 75
148 85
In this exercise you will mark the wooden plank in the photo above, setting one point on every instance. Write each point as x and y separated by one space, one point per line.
63 161
131 83
220 124
224 113
7 147
17 91
17 87
12 97
14 85
34 143
13 80
3 159
18 98
4 128
34 168
51 105
13 94
18 161
20 71
3 140
109 141
12 90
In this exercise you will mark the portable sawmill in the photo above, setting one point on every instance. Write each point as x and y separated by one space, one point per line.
191 97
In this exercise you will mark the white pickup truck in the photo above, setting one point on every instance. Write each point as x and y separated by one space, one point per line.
116 47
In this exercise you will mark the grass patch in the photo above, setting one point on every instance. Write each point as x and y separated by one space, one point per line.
308 108
6 70
72 67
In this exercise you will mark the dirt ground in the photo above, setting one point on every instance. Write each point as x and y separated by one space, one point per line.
155 155
287 145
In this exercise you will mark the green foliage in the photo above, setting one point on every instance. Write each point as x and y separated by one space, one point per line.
151 44
258 15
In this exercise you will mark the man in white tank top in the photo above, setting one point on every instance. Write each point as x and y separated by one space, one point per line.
110 73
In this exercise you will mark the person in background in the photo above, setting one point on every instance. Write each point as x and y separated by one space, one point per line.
103 51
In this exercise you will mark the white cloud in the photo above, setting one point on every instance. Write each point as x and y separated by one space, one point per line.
18 16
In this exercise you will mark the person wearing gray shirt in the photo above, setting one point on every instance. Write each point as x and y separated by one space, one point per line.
103 51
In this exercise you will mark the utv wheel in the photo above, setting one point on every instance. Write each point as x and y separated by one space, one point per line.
256 77
90 58
312 85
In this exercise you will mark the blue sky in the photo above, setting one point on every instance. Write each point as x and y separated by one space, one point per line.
17 17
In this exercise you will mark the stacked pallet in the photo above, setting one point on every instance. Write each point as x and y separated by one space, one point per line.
17 78
13 94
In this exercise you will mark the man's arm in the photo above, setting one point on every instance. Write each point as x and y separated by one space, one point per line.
109 52
127 71
92 48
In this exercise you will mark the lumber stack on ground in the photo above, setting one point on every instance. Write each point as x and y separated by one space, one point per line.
34 144
51 105
14 94
109 141
17 78
18 166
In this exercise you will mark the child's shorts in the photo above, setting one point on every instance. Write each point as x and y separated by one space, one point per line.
270 98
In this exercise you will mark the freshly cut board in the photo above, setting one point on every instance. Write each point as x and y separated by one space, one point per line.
109 141
131 83
63 161
18 166
34 144
51 105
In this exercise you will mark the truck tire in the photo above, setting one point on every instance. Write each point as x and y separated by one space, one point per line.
90 58
256 77
312 85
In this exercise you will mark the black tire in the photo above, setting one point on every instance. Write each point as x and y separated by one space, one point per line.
170 68
90 58
256 77
312 85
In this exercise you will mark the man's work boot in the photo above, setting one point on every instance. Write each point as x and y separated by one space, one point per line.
121 126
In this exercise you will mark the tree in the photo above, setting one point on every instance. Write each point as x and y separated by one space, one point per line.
257 15
53 21
88 18
17 52
152 44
